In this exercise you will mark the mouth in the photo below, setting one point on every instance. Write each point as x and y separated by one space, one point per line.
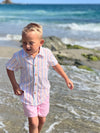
28 50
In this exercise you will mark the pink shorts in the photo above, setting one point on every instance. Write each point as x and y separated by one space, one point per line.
40 110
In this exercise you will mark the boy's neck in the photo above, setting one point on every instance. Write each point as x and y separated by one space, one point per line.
34 54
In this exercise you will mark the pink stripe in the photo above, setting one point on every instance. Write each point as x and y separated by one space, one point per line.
43 60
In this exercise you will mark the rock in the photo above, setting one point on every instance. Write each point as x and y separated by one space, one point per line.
69 46
73 55
7 2
54 43
91 57
78 63
63 60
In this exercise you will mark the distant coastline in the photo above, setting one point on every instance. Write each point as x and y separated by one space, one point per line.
6 2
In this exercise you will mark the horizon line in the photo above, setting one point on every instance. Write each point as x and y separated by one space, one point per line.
48 3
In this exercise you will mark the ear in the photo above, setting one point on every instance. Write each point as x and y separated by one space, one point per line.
42 42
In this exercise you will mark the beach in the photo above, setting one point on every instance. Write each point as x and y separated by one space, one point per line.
72 32
70 111
72 55
7 52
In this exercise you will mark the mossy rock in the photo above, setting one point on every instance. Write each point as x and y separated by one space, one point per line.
85 67
91 57
78 62
85 55
69 46
61 59
54 43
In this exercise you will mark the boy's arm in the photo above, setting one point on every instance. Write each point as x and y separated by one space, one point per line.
14 83
59 69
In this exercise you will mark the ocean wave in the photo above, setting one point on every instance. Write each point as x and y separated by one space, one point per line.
47 12
56 13
26 126
39 12
52 126
93 27
2 126
88 43
10 37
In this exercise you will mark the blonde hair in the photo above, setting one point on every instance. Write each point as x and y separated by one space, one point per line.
33 27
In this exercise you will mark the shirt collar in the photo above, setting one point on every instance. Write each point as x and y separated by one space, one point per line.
41 53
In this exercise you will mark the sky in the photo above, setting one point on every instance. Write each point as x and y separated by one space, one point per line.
55 1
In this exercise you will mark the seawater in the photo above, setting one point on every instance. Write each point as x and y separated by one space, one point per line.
74 24
71 111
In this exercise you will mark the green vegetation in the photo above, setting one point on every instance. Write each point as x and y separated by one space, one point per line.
85 67
69 46
62 60
91 57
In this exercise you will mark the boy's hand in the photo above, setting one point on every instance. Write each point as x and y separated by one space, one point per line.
69 84
15 85
59 69
17 90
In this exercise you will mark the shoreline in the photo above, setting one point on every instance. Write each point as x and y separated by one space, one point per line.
66 54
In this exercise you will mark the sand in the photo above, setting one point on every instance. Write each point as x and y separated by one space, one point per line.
7 51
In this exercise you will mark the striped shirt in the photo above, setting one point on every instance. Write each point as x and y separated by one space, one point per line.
34 74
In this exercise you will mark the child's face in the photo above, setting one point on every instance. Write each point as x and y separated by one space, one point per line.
31 42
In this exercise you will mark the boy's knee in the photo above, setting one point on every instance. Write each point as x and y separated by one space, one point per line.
33 123
42 120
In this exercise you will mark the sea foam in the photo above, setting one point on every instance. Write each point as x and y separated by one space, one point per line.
52 126
11 37
3 126
93 27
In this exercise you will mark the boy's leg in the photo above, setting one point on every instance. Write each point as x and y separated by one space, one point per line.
33 124
43 110
41 123
36 124
36 115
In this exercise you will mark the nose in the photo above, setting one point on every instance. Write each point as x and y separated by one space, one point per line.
27 45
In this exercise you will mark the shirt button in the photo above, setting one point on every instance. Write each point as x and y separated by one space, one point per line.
35 74
35 83
35 65
34 92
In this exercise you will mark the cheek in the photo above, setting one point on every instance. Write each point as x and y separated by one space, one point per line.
35 47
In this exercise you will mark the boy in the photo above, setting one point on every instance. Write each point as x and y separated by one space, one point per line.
33 61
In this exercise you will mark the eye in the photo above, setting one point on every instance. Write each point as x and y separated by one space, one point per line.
31 43
24 43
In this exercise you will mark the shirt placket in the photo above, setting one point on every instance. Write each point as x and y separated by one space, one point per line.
35 93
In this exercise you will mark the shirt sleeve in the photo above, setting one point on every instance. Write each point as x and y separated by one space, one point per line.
51 59
13 64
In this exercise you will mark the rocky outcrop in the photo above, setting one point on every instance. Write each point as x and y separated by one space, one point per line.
7 2
76 55
54 43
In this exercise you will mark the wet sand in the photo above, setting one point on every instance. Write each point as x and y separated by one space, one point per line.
74 111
